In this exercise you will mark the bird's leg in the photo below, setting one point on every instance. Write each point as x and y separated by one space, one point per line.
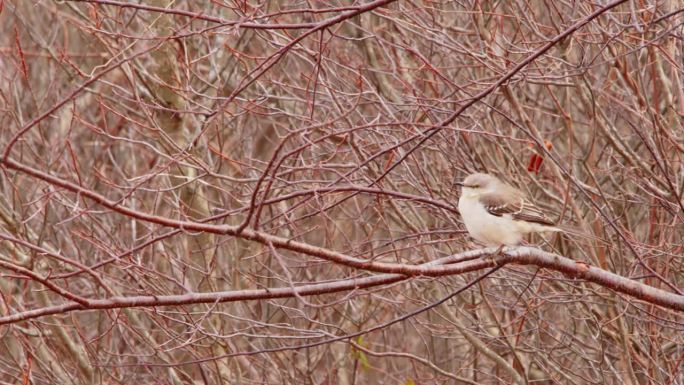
494 256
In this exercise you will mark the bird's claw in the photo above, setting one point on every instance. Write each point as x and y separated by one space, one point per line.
495 257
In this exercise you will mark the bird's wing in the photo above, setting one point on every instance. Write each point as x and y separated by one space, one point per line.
516 206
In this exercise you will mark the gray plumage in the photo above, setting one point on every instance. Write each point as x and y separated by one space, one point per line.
497 214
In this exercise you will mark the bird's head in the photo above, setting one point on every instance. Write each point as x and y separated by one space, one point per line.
478 183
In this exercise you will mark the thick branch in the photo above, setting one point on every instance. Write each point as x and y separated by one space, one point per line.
519 255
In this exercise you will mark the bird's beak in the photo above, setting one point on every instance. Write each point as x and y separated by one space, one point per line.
459 184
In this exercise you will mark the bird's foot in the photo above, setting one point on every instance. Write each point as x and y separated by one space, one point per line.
496 256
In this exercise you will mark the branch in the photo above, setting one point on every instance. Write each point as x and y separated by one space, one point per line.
465 262
427 134
242 23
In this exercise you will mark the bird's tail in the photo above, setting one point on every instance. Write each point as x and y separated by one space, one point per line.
577 232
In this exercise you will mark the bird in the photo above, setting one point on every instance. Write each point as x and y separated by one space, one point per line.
497 214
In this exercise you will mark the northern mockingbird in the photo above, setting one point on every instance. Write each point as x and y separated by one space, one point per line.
497 214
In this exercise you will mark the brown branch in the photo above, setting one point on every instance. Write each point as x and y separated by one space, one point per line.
518 255
264 66
45 281
15 138
225 22
539 52
381 326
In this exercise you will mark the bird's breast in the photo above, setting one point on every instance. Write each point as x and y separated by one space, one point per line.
486 228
